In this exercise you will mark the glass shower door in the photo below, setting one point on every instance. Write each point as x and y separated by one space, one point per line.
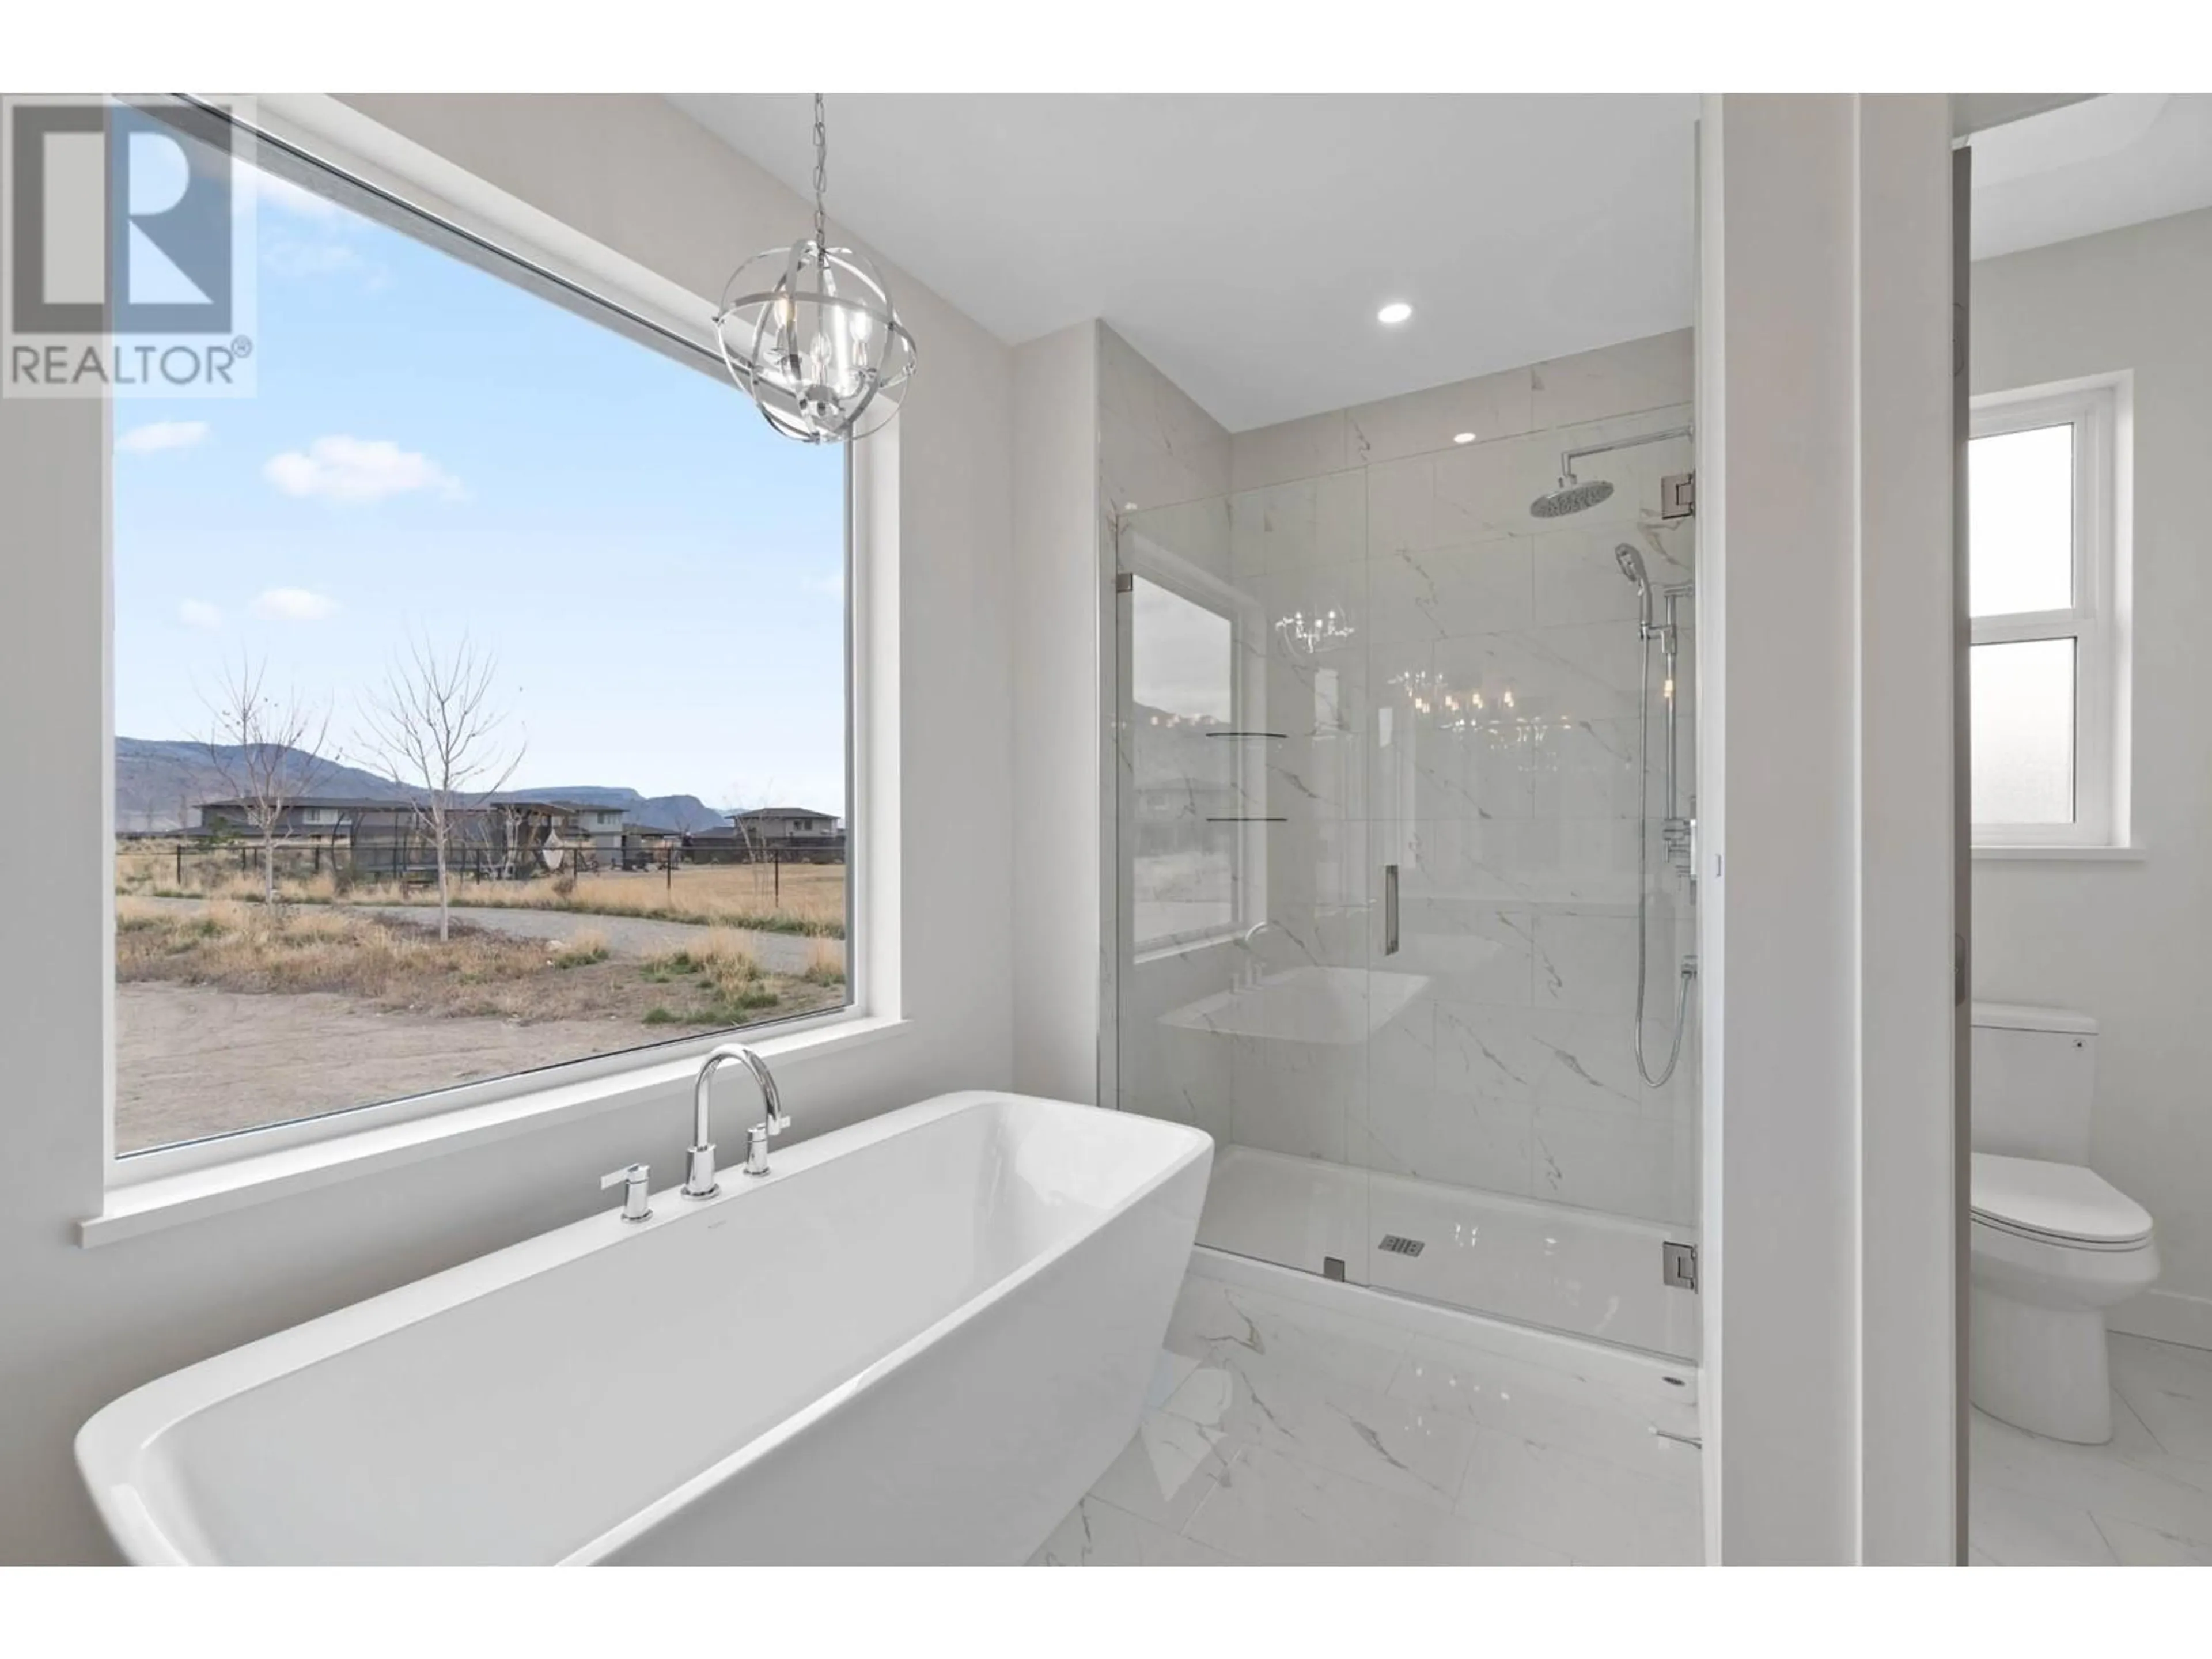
1242 1002
1384 828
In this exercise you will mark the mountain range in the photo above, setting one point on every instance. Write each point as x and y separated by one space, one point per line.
159 782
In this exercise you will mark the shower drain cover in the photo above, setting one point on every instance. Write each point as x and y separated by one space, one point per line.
1400 1246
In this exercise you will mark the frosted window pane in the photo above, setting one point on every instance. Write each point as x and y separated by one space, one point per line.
2023 733
1181 690
2021 504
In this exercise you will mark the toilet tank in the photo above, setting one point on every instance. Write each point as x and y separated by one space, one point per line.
2034 1078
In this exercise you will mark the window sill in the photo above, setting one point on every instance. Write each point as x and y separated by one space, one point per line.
1186 947
172 1201
2063 854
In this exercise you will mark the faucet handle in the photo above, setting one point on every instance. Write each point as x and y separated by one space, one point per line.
635 1180
757 1140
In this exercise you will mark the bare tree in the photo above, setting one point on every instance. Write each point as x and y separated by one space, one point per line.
435 729
267 748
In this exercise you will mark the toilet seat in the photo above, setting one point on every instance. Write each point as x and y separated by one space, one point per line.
2059 1204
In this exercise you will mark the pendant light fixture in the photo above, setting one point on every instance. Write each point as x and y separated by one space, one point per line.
810 335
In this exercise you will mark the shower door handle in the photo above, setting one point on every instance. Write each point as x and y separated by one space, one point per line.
1389 909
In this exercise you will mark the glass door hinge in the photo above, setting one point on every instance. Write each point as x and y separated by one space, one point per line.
1677 1266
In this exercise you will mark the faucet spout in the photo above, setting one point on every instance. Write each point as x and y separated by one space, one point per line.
699 1180
1252 968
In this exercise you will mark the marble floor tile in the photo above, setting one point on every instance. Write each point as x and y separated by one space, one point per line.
1097 1534
1399 1445
2170 1389
1587 1508
1554 1408
1166 1471
1285 1511
1287 1433
2146 1494
2027 1529
1312 1339
2138 1546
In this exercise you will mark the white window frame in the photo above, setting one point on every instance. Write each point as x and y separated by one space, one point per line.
2098 409
1143 557
190 1177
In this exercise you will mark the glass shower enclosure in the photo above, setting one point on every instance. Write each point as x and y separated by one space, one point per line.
1394 826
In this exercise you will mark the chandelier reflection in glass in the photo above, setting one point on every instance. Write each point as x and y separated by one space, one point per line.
809 334
1307 634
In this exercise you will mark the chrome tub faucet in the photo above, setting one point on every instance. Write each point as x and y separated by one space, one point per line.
635 1181
699 1169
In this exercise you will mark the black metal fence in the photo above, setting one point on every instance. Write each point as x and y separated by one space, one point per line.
202 861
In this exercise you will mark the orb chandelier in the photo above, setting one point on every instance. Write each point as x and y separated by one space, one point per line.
808 332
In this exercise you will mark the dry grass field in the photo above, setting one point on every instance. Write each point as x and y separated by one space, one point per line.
232 1013
397 965
808 900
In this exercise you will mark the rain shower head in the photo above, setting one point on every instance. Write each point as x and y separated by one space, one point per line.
1573 495
1570 497
1631 566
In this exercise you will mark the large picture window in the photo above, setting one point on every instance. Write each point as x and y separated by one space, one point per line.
2048 657
481 698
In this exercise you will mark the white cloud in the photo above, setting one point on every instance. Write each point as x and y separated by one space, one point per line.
357 470
198 613
290 258
162 435
292 605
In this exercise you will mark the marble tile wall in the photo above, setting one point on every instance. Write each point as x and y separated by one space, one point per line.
1479 729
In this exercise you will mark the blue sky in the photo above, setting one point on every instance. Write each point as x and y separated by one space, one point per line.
432 450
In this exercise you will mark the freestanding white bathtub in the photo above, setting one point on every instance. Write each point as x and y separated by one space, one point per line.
919 1340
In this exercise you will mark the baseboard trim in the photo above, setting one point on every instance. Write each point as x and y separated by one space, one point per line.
2165 1316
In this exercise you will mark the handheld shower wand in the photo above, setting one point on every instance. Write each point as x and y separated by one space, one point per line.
1631 566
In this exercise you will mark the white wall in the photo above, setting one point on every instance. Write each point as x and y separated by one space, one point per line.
1056 639
2131 943
79 1327
1825 306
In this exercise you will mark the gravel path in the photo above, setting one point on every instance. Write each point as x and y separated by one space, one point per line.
191 1061
628 936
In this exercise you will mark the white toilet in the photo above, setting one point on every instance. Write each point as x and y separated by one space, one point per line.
2053 1243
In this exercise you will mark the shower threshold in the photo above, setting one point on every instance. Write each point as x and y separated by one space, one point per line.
1578 1272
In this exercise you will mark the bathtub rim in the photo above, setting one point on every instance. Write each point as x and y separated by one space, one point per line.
113 1443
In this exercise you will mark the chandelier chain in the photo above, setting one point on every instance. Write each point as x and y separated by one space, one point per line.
808 330
821 172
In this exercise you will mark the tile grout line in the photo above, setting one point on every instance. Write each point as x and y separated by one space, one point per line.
1228 1467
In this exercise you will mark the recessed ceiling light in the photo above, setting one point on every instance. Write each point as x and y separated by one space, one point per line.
1462 437
1396 312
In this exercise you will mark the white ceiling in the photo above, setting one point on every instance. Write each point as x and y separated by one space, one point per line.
2094 166
1243 244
